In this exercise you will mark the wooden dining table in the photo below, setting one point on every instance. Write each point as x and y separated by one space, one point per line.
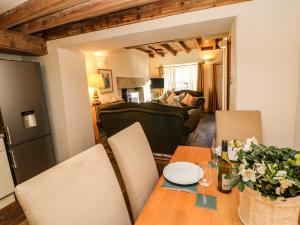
172 207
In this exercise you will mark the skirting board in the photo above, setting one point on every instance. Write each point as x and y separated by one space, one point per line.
7 200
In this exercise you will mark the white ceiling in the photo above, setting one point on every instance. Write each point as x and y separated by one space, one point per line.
9 4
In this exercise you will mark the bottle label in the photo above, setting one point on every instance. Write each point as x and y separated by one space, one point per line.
225 183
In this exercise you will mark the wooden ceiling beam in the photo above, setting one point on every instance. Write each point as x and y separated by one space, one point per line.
198 43
16 42
184 47
156 51
146 12
33 9
151 55
169 49
78 12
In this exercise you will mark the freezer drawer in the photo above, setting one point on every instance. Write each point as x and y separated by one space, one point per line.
32 158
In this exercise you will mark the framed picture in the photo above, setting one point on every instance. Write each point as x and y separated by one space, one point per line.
107 80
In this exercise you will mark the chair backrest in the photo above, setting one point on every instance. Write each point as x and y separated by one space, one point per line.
238 125
81 190
135 160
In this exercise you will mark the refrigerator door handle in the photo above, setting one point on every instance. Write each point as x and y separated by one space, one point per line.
8 136
13 160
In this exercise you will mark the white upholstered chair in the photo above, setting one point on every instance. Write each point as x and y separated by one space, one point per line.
136 163
238 125
80 190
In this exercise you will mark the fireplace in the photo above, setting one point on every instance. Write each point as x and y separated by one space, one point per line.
133 94
133 89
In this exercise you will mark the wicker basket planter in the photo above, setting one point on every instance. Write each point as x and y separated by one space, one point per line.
257 210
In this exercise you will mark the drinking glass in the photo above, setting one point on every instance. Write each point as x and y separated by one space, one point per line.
206 180
214 151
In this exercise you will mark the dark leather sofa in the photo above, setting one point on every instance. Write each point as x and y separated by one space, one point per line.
166 127
199 101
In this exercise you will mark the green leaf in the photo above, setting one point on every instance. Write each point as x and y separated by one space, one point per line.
264 194
250 184
233 183
297 183
232 176
241 185
292 190
269 187
272 197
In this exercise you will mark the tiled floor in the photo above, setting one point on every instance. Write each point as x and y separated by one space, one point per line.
202 136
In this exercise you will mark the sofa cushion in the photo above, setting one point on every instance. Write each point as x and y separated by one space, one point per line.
191 92
170 98
164 97
165 108
188 99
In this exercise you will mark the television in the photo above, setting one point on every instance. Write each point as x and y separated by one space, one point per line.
157 83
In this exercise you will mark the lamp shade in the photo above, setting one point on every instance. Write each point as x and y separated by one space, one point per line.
95 81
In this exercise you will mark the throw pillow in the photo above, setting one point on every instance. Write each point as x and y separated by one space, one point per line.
170 97
175 102
188 99
181 96
164 97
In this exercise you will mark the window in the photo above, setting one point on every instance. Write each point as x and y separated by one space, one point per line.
178 77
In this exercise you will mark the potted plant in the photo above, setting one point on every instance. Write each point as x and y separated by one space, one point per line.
269 179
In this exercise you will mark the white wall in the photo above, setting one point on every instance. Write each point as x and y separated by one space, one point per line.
55 102
233 75
182 57
267 63
77 112
122 62
66 92
297 124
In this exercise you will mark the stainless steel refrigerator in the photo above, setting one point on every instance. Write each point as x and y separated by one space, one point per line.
24 119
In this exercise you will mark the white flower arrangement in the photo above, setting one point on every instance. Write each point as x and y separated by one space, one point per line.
274 172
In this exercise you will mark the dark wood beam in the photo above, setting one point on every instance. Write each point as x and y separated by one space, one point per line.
16 42
145 51
184 47
33 9
198 42
156 51
169 49
146 12
82 11
208 44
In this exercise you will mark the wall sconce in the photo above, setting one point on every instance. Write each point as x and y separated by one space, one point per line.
95 81
101 59
207 59
222 43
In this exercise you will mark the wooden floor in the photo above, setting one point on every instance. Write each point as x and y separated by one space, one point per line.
202 136
12 215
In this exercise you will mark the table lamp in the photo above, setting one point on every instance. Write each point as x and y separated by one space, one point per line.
96 81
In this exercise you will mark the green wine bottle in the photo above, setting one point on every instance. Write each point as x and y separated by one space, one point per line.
224 168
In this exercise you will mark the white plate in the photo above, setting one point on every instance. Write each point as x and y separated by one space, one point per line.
183 173
232 153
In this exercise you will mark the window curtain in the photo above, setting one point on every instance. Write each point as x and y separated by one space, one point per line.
169 78
200 80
